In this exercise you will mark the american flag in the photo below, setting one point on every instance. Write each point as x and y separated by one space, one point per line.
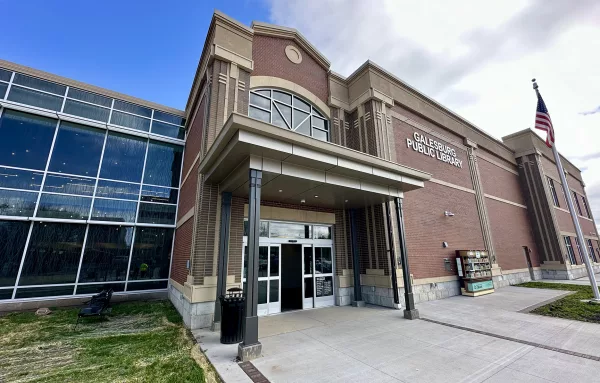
543 121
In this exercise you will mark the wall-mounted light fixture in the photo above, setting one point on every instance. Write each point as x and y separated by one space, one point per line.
448 213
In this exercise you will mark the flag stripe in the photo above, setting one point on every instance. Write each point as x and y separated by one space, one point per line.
543 121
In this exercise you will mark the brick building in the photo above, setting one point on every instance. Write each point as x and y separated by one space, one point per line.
320 183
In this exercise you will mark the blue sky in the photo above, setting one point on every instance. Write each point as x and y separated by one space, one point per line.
147 49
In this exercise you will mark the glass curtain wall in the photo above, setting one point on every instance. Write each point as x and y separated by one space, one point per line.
23 89
82 208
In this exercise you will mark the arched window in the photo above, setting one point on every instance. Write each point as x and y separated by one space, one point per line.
288 112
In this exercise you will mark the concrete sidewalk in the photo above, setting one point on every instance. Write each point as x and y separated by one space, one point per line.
374 344
580 281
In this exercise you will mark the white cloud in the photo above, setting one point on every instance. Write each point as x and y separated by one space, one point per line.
477 58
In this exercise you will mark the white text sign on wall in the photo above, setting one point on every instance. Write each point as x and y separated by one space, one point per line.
432 148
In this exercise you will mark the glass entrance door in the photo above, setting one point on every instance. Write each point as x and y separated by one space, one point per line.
269 271
318 276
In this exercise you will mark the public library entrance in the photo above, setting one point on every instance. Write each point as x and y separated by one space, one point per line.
295 267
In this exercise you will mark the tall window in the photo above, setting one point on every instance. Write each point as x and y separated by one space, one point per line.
570 251
579 250
591 250
585 206
577 203
288 112
553 191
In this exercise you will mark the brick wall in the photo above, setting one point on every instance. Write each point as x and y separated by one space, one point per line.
427 228
187 197
269 58
193 144
206 232
511 231
500 182
182 251
342 245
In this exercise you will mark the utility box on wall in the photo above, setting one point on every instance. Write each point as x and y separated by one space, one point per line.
475 272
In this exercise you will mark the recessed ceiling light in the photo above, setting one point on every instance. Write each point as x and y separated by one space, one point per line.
316 196
302 201
280 190
346 201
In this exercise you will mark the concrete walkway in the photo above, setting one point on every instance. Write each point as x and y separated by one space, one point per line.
373 344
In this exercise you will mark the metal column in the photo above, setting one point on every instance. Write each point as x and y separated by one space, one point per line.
394 263
223 256
357 302
410 312
250 348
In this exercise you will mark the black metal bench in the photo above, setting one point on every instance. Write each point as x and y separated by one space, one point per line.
98 306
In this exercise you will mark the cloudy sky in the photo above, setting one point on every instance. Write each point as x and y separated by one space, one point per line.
477 58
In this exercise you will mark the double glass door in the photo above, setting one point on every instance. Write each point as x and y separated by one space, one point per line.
315 266
318 276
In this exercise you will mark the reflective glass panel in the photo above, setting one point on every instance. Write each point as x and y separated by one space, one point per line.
89 97
304 127
132 108
123 158
64 206
150 285
290 230
308 260
323 261
13 235
52 291
151 253
99 287
318 123
265 92
84 110
25 139
130 121
167 130
264 229
114 189
274 266
53 254
20 179
159 194
299 118
18 203
106 254
77 150
5 75
283 97
69 185
166 117
163 165
262 102
260 114
263 260
6 294
3 87
324 286
157 213
308 288
262 292
278 118
274 290
35 98
40 84
301 105
114 210
319 134
322 232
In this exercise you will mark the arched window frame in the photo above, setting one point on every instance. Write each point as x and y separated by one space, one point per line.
288 111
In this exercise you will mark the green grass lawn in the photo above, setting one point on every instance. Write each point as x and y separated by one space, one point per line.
569 307
137 342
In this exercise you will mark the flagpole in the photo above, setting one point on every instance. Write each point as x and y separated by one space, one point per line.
581 239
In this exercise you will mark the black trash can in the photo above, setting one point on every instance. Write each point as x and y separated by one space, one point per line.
232 314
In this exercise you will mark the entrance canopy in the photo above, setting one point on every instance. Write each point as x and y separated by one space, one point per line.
300 169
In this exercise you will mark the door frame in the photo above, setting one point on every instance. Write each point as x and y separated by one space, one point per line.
314 302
